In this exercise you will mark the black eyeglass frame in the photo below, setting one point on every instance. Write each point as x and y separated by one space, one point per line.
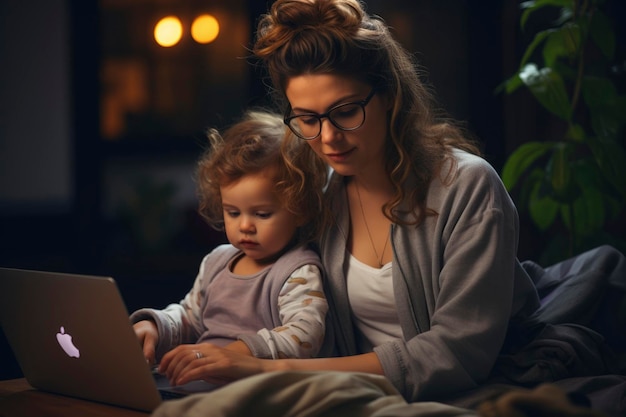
287 118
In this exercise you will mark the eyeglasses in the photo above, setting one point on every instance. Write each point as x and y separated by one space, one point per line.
346 116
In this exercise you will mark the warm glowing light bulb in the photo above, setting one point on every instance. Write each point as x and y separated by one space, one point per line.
168 31
205 28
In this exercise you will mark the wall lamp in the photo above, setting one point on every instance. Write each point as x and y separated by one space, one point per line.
169 30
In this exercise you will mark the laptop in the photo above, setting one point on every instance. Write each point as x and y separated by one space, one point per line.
71 335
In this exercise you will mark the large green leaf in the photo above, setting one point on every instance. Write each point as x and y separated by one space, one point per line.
548 88
607 108
588 211
561 172
598 91
587 174
563 42
593 205
511 84
602 33
611 159
609 121
542 208
537 40
614 207
521 159
526 189
576 133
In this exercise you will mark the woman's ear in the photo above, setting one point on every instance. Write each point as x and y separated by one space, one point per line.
387 101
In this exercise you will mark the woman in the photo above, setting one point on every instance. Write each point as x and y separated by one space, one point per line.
421 240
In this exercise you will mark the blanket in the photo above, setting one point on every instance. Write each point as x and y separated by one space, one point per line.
349 394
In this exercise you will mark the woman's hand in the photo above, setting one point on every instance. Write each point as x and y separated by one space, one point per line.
148 335
213 364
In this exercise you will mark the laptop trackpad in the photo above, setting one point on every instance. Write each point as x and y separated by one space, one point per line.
193 387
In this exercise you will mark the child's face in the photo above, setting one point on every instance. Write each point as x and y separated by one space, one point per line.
254 219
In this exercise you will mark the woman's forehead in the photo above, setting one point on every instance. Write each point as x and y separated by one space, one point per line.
309 91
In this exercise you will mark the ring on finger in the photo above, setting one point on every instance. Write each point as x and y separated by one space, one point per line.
198 354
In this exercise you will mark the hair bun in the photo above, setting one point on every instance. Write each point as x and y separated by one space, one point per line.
330 14
312 25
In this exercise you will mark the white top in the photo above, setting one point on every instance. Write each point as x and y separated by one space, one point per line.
373 304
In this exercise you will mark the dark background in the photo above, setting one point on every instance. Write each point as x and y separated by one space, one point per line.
96 175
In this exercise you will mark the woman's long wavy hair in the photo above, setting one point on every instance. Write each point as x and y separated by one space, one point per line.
338 37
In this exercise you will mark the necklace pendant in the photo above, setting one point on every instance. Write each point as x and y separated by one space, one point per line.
379 259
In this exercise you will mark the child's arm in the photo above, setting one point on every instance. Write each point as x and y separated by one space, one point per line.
302 308
148 335
179 322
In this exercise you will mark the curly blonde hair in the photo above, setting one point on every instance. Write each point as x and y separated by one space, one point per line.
338 37
254 144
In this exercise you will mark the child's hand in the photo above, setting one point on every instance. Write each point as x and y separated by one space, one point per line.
148 335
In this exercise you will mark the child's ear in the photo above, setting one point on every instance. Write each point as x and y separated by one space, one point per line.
301 221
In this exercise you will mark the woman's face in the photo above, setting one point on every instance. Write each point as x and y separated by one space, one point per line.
356 152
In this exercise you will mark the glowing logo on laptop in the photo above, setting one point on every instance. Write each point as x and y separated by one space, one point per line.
65 340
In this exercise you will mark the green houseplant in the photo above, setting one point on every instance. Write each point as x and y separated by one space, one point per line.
573 185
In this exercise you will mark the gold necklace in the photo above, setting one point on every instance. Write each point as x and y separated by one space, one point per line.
378 258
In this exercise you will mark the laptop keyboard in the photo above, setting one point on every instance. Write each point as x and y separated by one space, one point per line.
169 395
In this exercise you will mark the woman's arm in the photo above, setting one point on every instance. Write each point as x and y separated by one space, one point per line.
366 362
222 365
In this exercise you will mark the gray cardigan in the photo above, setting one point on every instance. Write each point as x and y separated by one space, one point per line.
456 281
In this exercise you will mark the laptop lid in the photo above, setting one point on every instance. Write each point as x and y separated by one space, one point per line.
71 335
